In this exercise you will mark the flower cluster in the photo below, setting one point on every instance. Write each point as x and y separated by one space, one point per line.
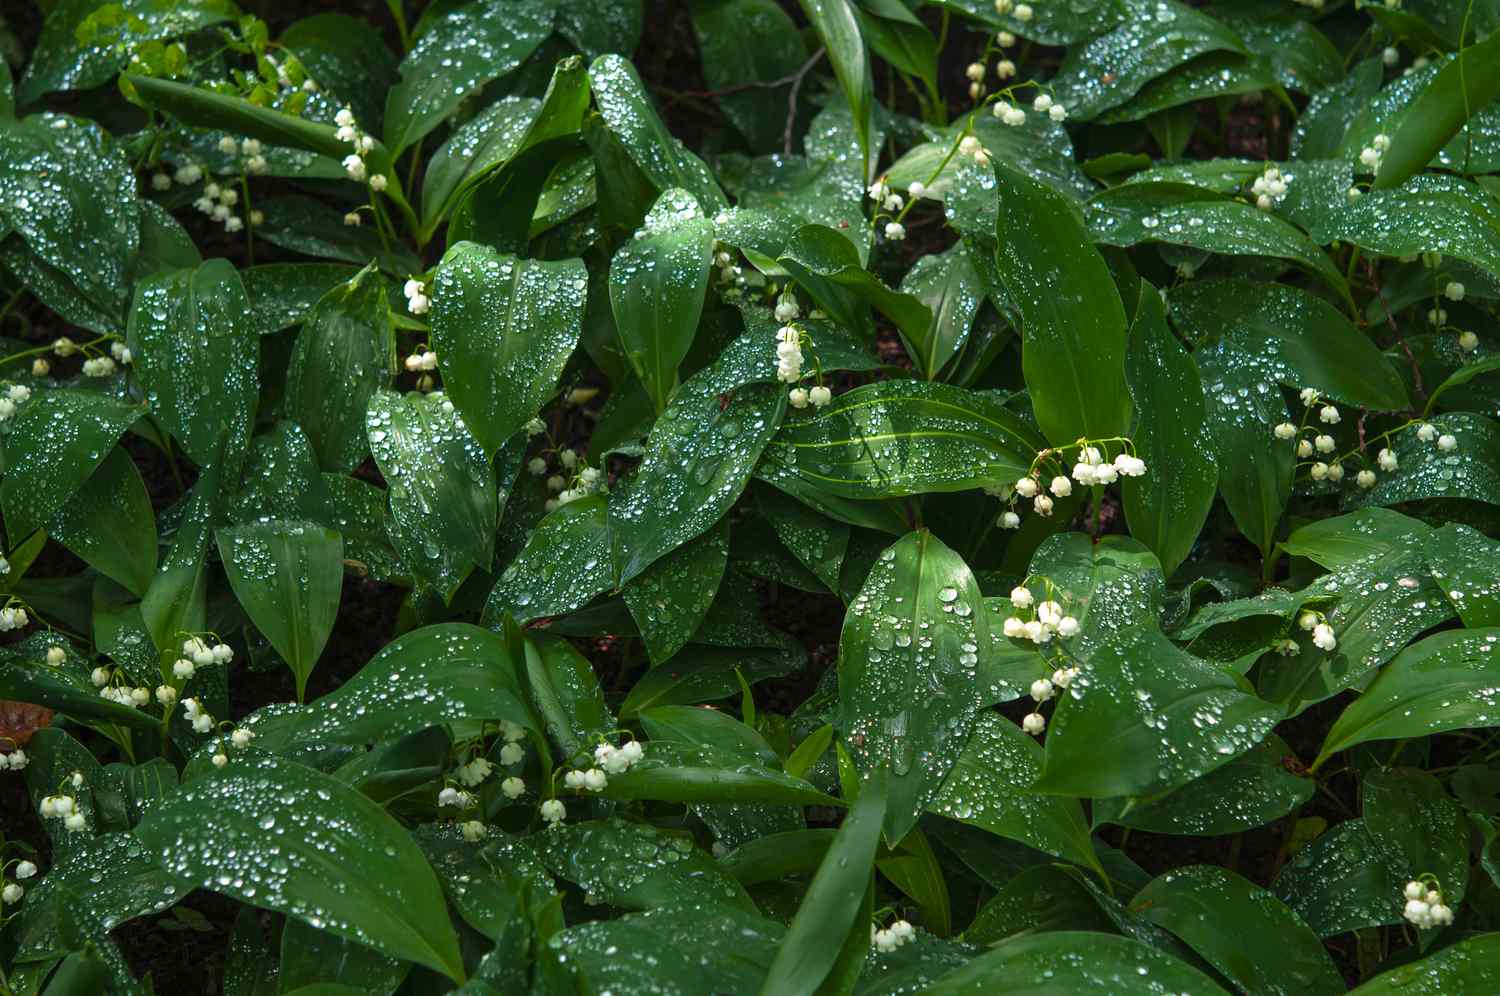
202 719
1020 11
12 617
14 760
65 808
12 892
1092 467
1424 906
1269 188
789 370
354 163
892 937
887 200
1371 154
424 360
608 760
240 738
14 396
218 201
1322 633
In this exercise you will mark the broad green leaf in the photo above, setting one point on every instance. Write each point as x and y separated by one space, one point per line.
461 51
1074 961
565 692
990 788
287 577
1302 340
657 284
1408 811
1213 75
281 480
1462 563
1143 717
29 681
1261 785
56 442
275 834
316 228
814 539
311 957
1344 880
662 158
1166 509
907 658
1355 538
437 674
1242 930
900 437
1445 682
1073 329
635 866
66 59
826 264
1051 24
281 294
896 35
837 25
951 289
730 952
1467 965
1471 471
109 523
697 460
197 356
345 352
1303 57
84 223
743 41
1427 210
1039 147
670 598
1454 95
706 674
443 498
175 602
503 328
564 564
676 771
348 58
485 141
829 909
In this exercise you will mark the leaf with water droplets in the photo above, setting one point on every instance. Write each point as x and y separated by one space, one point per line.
287 576
1430 212
348 58
196 355
908 655
1241 929
826 265
1050 23
628 112
1471 471
1074 961
1166 509
952 291
175 602
316 228
443 495
1254 789
990 787
564 564
706 674
678 771
55 757
1462 562
281 480
743 41
281 294
1344 880
1449 681
1409 812
56 442
1438 115
343 355
1466 966
565 693
900 437
311 957
1142 717
670 598
459 53
1358 537
437 674
68 191
109 523
283 837
29 681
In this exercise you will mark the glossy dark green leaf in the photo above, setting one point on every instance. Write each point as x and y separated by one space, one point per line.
460 52
1344 880
287 577
677 771
1460 89
743 41
109 523
1052 24
1467 965
25 681
348 58
1427 210
565 692
56 443
952 291
312 957
197 355
564 564
175 603
1348 540
281 294
670 598
635 866
284 837
1409 812
317 228
1462 563
907 658
1074 961
837 25
1072 322
827 265
443 497
1471 471
1167 100
657 283
1166 509
662 158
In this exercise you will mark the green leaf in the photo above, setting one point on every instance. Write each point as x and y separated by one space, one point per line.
744 41
634 866
312 957
564 564
628 112
1359 537
826 264
443 496
459 53
437 674
1462 563
317 228
487 140
670 598
657 284
907 658
1461 88
990 788
1427 210
281 294
109 523
899 437
1409 812
565 693
1132 722
287 576
1472 471
56 442
837 25
1464 966
1344 880
897 36
503 328
675 771
1051 24
348 58
1445 682
63 61
1073 329
1074 961
1166 509
283 837
27 681
829 909
1240 929
197 356
698 459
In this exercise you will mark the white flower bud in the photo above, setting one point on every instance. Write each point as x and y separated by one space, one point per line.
819 396
1022 598
1061 486
220 759
1027 487
895 231
1365 479
513 787
553 811
512 754
594 780
242 737
1034 723
1067 626
1041 690
1285 430
25 869
1447 442
353 219
1468 341
1010 520
354 166
1322 637
182 669
797 397
1324 444
1042 504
